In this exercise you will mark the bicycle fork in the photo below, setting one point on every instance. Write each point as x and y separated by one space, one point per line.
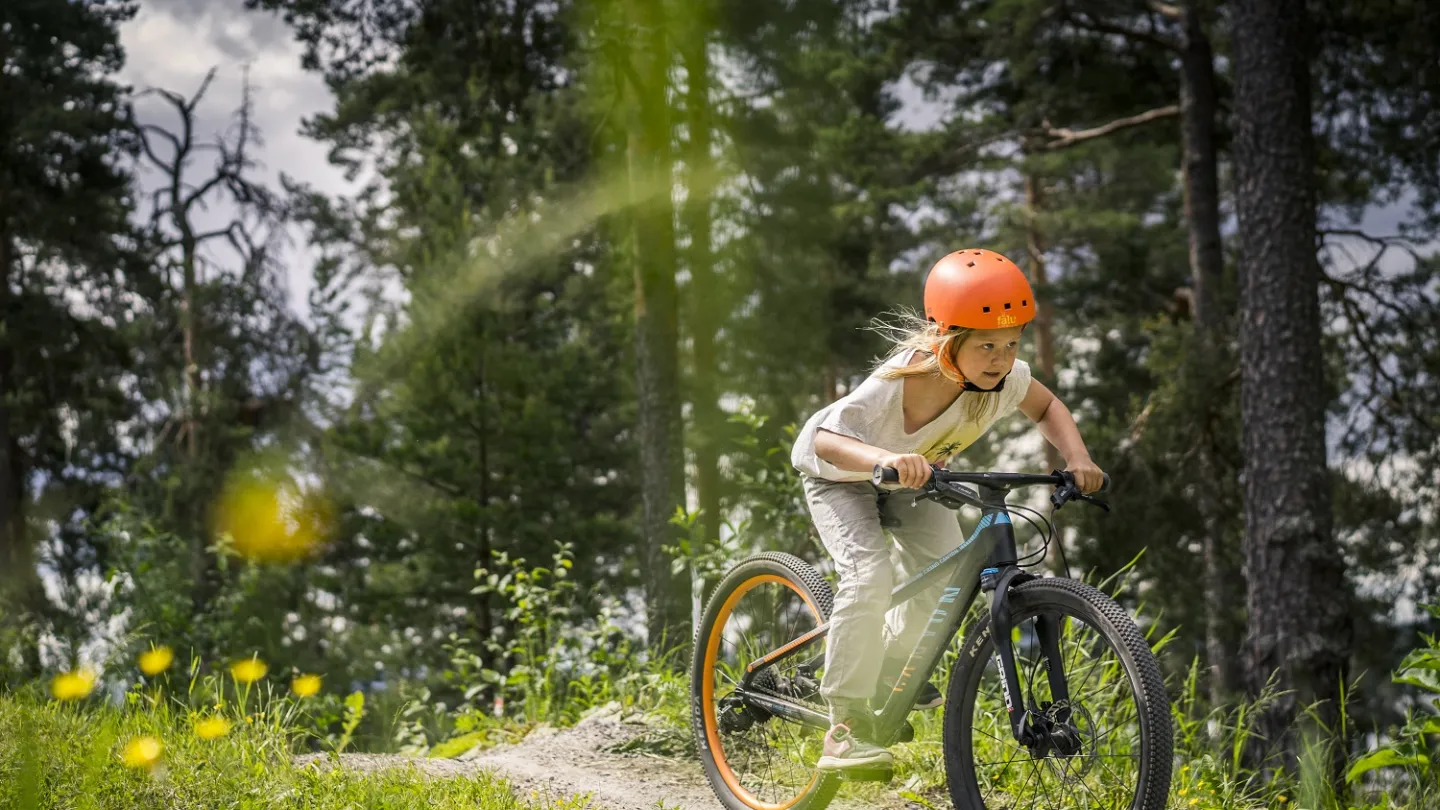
997 581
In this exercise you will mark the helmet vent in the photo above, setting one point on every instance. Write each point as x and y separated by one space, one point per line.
986 309
1007 304
1024 302
970 264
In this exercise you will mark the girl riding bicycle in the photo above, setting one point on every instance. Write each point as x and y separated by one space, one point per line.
949 378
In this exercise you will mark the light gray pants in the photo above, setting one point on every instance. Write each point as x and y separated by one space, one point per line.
870 564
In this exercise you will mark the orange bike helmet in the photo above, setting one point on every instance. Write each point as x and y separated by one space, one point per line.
976 289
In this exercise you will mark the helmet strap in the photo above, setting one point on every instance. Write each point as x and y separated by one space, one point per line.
946 363
999 386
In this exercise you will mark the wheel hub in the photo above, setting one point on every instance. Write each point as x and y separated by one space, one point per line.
1058 729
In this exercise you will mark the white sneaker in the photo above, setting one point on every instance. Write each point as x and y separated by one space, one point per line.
844 751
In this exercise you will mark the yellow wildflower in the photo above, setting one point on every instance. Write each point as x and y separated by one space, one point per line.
306 685
73 685
212 727
1282 798
156 660
248 671
142 752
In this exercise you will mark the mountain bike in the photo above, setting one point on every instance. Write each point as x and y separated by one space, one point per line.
1081 718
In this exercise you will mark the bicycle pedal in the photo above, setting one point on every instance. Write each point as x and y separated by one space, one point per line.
907 733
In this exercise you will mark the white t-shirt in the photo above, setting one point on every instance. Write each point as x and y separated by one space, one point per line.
874 414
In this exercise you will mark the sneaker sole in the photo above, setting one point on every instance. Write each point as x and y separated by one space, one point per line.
882 774
883 762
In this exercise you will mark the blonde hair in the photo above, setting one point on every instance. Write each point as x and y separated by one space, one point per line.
911 331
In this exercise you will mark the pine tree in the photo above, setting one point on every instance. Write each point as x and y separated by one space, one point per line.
63 203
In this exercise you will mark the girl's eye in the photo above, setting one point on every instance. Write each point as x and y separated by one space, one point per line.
989 347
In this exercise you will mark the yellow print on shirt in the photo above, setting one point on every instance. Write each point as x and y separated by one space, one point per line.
951 443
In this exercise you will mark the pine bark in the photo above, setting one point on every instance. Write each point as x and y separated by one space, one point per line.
1298 625
1198 109
656 326
1044 310
704 306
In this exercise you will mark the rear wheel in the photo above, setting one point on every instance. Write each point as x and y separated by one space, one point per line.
755 760
1107 746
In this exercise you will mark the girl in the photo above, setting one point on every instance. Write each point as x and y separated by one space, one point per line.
948 379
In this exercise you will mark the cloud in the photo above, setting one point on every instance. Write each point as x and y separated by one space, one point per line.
171 44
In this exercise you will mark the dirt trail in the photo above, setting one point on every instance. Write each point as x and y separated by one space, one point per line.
602 757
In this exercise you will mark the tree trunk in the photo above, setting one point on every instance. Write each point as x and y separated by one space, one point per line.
1198 107
1297 596
656 327
20 593
201 564
192 365
1207 270
484 621
1044 326
704 305
1044 309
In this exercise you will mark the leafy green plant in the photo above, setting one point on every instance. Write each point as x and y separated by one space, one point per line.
1406 762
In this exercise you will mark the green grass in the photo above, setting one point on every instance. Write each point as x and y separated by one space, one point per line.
68 755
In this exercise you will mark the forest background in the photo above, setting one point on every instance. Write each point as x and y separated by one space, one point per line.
506 331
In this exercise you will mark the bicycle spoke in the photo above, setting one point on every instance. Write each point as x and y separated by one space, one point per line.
1040 767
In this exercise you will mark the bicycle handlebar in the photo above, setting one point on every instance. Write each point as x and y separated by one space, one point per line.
943 481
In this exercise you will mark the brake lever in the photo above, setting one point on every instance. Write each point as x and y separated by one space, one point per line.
1066 492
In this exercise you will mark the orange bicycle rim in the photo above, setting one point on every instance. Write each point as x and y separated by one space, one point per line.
707 692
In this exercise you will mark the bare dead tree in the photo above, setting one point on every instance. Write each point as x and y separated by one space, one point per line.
250 233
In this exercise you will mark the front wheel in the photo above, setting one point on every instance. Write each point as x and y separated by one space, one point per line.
1107 746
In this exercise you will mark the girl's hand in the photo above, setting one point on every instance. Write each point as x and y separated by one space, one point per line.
914 469
1087 475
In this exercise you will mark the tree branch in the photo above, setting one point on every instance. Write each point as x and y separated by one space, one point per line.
1166 10
1366 341
150 151
1064 138
1103 27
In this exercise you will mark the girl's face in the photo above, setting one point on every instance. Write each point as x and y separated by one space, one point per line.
987 355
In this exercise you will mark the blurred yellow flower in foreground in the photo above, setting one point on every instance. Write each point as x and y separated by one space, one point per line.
156 660
212 727
73 685
249 670
142 752
269 519
306 685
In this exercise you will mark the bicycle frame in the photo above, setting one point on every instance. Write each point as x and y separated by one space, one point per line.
987 560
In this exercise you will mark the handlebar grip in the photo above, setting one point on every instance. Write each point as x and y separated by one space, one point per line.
1105 486
884 475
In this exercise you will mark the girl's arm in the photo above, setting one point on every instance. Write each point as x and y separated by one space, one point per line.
853 454
1058 427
